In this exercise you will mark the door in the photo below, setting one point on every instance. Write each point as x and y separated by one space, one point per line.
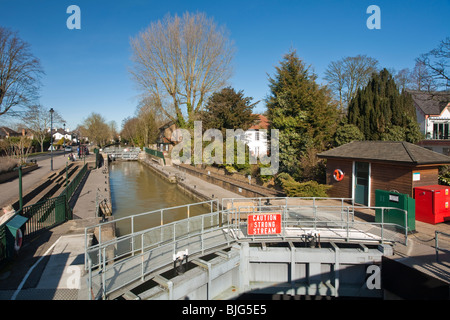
362 183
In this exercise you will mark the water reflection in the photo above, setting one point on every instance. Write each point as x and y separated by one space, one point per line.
136 189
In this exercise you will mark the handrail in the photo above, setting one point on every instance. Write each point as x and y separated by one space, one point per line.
172 243
436 241
131 219
171 235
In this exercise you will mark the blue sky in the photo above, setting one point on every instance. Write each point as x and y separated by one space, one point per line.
86 70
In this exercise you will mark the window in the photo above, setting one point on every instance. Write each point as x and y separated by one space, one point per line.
441 130
257 135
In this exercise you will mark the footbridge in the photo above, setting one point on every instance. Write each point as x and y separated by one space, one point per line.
120 153
295 246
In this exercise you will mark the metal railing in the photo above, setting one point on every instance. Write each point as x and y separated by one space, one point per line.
436 243
73 185
44 214
155 153
336 223
148 251
131 257
123 153
129 224
288 201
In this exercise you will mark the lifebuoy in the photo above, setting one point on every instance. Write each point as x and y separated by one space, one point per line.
18 241
338 175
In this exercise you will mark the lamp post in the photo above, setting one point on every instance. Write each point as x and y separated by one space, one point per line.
64 141
51 138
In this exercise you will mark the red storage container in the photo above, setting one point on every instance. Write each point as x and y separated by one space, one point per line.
432 203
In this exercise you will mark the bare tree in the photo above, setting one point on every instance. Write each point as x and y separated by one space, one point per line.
179 61
345 76
421 79
96 129
402 78
114 134
129 130
437 62
19 72
37 118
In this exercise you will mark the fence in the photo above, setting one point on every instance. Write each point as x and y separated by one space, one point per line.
155 153
45 214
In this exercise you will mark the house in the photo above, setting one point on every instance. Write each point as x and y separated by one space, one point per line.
256 136
164 141
60 133
6 132
433 116
356 169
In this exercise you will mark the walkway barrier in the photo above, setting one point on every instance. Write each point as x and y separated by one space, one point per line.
73 185
45 214
436 243
145 251
125 244
123 153
155 153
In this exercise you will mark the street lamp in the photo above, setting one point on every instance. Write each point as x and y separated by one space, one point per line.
64 141
51 138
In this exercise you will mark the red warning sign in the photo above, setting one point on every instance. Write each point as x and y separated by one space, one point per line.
264 224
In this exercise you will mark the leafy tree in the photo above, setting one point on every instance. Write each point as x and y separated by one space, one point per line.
303 112
381 112
228 109
346 133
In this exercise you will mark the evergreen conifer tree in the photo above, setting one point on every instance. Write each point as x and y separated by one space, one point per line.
303 112
382 112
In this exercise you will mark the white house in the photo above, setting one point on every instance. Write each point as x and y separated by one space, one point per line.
433 116
256 137
60 133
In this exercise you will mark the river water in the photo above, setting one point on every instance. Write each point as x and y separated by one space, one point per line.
137 189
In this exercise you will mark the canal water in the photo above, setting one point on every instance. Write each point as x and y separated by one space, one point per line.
136 189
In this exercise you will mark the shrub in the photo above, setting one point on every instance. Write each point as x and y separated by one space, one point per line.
293 188
7 164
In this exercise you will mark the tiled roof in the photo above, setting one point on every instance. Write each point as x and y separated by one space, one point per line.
386 151
261 123
5 131
431 103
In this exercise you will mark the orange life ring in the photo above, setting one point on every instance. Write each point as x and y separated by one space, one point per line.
338 175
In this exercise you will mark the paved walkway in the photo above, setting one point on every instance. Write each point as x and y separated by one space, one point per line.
9 191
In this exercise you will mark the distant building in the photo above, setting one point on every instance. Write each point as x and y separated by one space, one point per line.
356 169
164 141
433 116
6 132
256 136
58 134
